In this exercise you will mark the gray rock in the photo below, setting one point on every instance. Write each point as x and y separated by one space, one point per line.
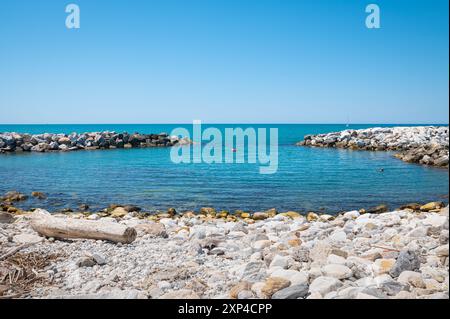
407 260
324 285
99 259
442 161
378 293
240 227
217 251
292 292
87 261
252 271
300 254
6 218
392 288
245 294
27 239
53 146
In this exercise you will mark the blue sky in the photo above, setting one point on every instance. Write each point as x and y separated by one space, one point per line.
224 61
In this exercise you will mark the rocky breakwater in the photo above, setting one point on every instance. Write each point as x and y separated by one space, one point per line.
426 145
19 142
398 254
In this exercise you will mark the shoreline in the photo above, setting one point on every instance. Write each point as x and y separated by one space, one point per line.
426 145
13 202
362 255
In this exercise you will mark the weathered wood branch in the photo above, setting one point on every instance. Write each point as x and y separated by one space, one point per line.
65 228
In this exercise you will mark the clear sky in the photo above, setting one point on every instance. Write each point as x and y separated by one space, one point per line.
224 61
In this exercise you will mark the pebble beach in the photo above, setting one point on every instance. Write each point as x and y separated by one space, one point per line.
362 255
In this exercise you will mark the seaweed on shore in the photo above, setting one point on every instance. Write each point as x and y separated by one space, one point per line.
21 272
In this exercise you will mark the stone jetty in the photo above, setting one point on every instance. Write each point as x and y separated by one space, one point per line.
426 145
372 254
19 142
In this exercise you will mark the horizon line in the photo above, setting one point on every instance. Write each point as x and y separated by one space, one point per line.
236 123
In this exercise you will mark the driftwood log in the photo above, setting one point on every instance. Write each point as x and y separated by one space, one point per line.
65 228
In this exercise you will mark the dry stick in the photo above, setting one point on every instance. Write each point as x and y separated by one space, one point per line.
15 250
385 248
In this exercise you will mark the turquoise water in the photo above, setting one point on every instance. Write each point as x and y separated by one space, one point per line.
327 180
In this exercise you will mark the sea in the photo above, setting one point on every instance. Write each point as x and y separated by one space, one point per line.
307 179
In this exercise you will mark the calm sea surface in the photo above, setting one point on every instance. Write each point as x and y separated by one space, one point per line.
330 180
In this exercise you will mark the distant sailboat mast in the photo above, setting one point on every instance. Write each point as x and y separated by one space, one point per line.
348 121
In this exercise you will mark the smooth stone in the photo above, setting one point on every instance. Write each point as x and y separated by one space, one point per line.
280 261
372 254
435 221
274 284
292 292
245 294
93 217
256 289
99 259
413 278
118 212
315 295
349 293
87 261
6 218
294 276
421 231
382 266
351 215
441 251
324 285
431 206
27 239
337 271
392 288
242 286
261 244
260 216
152 229
338 236
335 259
